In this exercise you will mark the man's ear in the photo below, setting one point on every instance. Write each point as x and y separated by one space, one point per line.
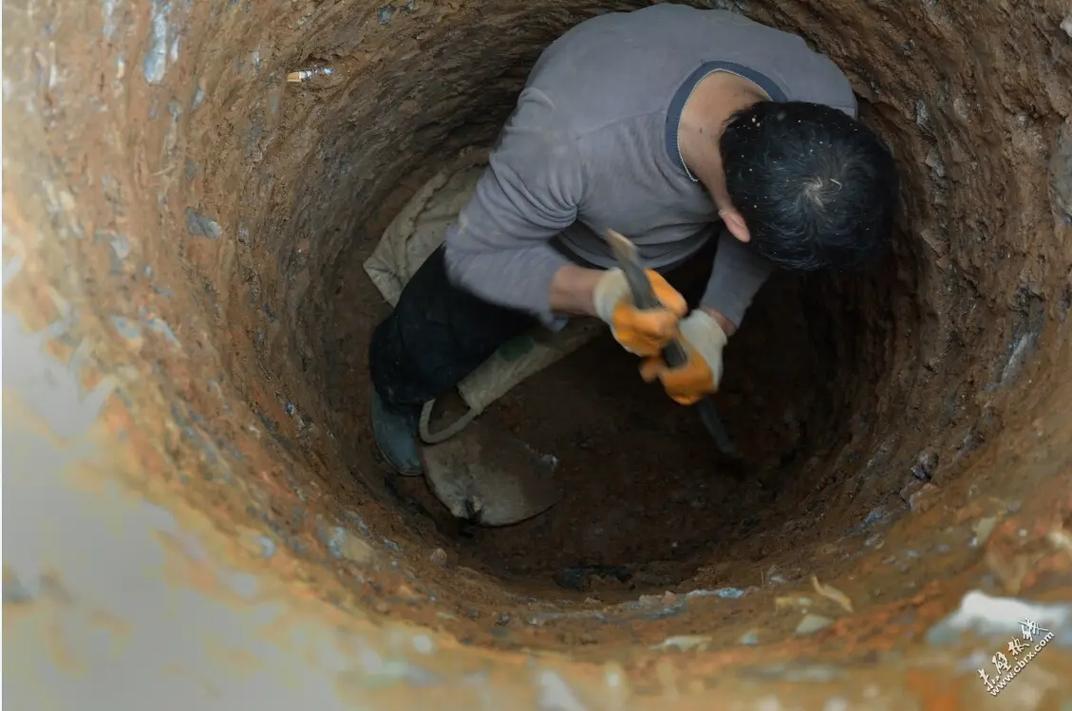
735 223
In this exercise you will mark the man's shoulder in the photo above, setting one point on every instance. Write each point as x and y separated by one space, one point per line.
626 64
612 68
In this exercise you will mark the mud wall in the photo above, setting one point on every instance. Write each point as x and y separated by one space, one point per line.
190 507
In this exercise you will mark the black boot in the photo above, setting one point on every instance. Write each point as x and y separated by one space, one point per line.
396 436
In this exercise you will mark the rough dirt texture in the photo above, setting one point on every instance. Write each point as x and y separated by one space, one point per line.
184 232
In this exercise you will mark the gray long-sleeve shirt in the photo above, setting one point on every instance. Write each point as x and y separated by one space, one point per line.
593 144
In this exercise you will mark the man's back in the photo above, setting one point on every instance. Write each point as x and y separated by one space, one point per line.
593 144
626 64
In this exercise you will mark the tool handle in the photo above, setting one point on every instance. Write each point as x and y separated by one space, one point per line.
643 294
714 426
674 352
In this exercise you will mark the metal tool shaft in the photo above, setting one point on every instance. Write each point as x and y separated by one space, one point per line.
674 353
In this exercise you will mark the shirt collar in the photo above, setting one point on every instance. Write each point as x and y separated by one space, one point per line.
681 97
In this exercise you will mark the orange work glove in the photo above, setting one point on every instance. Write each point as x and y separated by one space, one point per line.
640 331
704 340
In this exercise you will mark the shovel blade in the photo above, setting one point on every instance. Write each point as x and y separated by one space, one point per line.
488 476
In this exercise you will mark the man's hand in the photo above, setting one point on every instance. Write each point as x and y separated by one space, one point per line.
640 331
704 340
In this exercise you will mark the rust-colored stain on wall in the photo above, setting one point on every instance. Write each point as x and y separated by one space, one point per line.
193 510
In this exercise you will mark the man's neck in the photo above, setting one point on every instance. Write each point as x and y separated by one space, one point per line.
717 97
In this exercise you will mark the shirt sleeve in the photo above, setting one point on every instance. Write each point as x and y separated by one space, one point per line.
736 276
499 247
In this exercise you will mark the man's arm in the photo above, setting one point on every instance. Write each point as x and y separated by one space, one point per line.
728 327
499 248
736 276
572 288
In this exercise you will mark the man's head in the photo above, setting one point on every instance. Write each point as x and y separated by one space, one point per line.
816 188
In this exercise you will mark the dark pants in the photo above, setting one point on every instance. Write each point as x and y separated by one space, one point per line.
439 333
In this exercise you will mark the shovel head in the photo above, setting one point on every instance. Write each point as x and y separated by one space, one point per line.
488 476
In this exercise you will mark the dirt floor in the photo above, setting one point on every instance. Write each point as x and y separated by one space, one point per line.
648 500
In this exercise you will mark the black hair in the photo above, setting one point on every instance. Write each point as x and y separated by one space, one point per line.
816 188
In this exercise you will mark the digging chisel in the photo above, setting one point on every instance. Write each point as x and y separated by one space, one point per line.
674 353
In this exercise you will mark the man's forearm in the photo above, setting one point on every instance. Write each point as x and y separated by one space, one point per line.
571 293
728 327
736 276
571 290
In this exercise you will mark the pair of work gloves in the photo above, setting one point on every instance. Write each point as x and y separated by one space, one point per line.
645 332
